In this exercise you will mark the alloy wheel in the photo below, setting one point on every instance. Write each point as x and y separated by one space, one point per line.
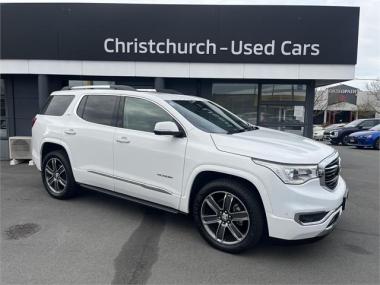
55 175
225 217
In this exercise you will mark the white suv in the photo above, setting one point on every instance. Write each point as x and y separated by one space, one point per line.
187 154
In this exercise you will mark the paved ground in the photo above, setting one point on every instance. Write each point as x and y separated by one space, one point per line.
98 239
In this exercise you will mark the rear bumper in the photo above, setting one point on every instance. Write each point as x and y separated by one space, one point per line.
37 161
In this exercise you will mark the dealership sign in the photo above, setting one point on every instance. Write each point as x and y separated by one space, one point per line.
180 33
342 93
208 47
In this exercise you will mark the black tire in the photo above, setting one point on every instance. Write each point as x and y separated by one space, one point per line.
65 190
359 147
376 145
345 140
244 201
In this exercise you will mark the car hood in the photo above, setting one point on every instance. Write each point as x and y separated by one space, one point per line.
344 129
268 144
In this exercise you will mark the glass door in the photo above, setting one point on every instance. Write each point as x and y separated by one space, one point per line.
282 107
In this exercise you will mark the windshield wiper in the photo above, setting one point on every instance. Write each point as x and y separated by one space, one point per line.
245 129
251 128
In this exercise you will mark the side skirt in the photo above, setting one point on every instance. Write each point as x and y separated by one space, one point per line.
130 198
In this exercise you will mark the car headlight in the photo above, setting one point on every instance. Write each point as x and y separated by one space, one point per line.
334 134
369 136
291 173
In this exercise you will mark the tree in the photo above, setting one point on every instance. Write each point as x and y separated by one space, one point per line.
373 88
320 101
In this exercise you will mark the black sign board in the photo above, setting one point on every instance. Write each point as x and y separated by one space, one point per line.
342 93
180 33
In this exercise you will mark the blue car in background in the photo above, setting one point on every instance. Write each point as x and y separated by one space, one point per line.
368 138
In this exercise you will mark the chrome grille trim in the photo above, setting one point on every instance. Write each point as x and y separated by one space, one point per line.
330 169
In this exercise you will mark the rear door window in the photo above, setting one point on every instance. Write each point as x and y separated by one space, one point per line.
99 109
57 105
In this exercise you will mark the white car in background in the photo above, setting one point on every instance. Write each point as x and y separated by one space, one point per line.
187 154
318 132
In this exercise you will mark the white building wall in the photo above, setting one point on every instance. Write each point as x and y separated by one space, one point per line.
179 69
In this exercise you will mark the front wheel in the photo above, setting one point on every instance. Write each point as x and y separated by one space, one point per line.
229 215
377 144
345 140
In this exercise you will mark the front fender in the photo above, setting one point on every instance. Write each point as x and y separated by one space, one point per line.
185 197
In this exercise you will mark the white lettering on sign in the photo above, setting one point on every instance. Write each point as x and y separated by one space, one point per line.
208 47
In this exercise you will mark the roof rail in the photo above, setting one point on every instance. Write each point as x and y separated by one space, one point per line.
169 91
112 86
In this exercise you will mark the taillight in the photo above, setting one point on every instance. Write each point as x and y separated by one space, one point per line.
34 120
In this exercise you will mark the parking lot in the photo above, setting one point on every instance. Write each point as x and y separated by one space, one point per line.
99 239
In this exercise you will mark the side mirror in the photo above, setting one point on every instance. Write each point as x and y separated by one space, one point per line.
168 128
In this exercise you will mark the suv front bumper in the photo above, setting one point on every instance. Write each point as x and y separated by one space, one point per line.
291 229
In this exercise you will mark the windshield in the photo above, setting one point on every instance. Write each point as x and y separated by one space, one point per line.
209 117
376 128
353 124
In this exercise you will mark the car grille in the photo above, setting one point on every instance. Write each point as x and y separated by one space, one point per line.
332 173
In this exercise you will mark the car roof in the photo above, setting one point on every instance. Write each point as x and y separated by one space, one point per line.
140 94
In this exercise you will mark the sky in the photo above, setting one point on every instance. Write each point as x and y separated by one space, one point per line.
368 64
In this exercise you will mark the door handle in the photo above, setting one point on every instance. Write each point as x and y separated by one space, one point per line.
123 140
70 132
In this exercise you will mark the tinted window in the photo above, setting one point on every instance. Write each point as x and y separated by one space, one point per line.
209 117
99 109
143 115
57 105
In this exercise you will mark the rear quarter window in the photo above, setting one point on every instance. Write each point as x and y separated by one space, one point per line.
57 105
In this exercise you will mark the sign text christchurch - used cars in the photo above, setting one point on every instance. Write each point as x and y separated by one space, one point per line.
208 47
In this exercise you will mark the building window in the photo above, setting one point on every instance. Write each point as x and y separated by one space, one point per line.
284 115
283 107
3 114
283 92
239 98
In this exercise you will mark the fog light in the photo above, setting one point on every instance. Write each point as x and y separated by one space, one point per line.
310 217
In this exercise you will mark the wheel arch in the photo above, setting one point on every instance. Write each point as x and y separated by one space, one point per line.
51 145
203 175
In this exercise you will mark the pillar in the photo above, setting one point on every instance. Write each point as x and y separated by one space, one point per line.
43 90
159 83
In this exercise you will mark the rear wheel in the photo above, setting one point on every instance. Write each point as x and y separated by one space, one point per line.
57 175
228 215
